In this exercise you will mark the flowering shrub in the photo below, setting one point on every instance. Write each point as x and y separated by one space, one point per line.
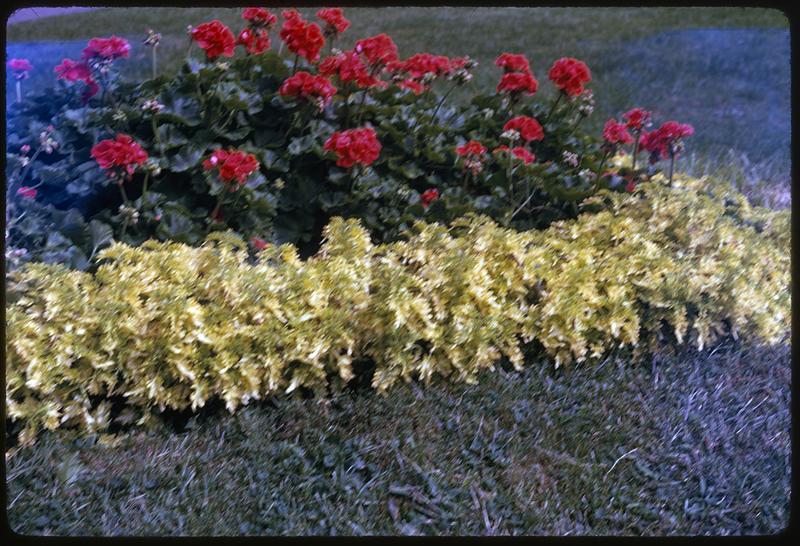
674 263
283 105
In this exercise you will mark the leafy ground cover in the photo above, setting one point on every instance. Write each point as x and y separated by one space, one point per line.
686 444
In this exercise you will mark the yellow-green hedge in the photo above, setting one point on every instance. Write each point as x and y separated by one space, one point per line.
170 326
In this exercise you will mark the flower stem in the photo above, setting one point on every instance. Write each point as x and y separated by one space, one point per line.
552 108
121 186
636 149
154 61
671 167
441 101
144 186
19 91
296 60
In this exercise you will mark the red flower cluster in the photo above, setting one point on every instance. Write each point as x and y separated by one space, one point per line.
569 75
335 22
308 86
122 152
412 85
301 37
255 40
473 148
637 119
616 133
527 127
26 192
215 39
421 69
428 196
517 76
348 67
663 142
518 152
379 50
518 82
354 146
107 49
78 72
513 62
232 165
259 17
20 68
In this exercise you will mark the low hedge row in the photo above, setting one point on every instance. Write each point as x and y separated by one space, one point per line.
166 325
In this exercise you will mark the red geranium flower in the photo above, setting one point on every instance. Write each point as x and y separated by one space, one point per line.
258 244
412 85
518 82
259 17
308 86
335 22
379 50
255 41
20 68
662 142
616 133
354 146
473 148
301 37
569 75
232 165
630 186
511 62
73 71
428 196
348 67
215 39
417 66
107 49
518 152
528 128
122 152
636 119
26 192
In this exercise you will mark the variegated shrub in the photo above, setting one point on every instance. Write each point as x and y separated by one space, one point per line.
166 325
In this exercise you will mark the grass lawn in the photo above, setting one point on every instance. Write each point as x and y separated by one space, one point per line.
691 443
725 70
688 444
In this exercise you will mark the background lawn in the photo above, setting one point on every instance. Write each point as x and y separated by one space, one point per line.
724 70
686 444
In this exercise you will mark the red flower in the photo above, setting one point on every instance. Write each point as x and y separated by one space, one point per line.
308 86
26 192
518 152
258 244
379 50
302 38
106 48
121 152
354 146
255 41
528 128
259 17
348 67
630 186
73 71
412 85
428 196
518 82
215 39
417 66
511 62
335 22
20 68
616 133
569 75
636 119
471 148
232 165
663 142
